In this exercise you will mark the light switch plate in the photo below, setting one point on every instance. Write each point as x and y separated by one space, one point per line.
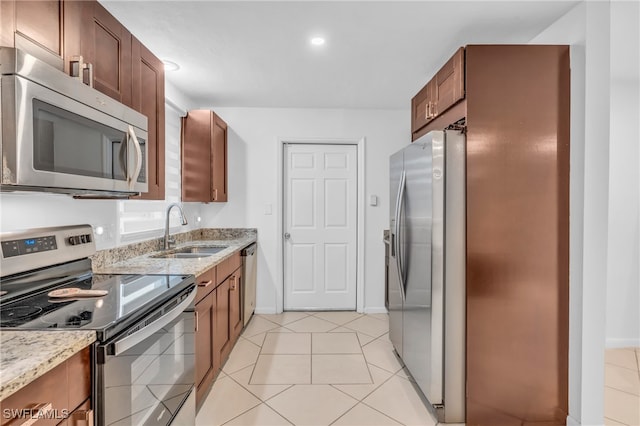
373 200
267 209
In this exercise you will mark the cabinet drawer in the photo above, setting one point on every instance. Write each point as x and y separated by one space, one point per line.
227 267
61 390
205 282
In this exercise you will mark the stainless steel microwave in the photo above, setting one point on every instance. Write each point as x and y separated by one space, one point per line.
60 135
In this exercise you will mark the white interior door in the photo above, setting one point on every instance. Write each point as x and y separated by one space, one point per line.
320 226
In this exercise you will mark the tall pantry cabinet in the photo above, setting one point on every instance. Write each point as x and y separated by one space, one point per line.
512 102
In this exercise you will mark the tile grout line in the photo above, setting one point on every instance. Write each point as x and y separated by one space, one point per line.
244 412
622 390
259 398
609 418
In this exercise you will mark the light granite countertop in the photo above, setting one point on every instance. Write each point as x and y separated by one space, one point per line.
27 355
147 264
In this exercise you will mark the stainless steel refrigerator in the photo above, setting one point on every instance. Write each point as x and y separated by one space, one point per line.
427 267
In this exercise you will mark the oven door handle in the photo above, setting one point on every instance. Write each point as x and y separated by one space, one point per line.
126 343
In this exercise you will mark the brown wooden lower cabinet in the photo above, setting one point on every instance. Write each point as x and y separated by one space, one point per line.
235 307
222 338
219 321
206 357
63 391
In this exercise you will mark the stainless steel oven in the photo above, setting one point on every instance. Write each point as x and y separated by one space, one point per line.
143 362
145 375
63 136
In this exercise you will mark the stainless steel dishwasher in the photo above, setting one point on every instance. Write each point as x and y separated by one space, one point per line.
249 262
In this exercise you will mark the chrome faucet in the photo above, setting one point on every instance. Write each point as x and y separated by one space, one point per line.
168 241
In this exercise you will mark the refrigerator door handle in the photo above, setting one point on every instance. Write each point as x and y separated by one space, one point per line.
399 204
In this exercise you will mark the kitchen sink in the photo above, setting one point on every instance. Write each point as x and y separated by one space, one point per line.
193 252
181 255
209 250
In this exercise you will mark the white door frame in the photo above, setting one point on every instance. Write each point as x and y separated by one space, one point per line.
361 203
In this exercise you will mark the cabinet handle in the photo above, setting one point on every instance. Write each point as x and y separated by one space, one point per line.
205 284
215 194
87 74
76 65
197 321
84 416
427 111
234 282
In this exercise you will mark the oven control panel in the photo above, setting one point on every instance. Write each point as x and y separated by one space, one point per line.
29 249
28 245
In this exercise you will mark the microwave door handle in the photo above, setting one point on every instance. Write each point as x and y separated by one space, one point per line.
122 156
126 343
138 164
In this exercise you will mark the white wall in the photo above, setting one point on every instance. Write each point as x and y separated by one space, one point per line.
623 285
253 182
604 176
22 210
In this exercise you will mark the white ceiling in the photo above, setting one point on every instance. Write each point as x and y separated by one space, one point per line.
378 54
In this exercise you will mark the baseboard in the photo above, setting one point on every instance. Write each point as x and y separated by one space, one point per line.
622 343
265 311
572 422
373 310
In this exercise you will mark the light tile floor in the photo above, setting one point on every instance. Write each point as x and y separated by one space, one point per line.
338 368
322 368
622 386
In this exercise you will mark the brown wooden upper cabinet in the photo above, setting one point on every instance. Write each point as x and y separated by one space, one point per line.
106 44
35 27
148 98
204 157
60 31
443 91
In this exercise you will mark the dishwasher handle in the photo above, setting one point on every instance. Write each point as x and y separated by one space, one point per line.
250 250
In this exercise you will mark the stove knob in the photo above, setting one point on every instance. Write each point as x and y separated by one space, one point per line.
72 241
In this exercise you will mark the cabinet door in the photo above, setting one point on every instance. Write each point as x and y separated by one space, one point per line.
35 27
222 338
148 98
449 82
205 357
219 160
196 156
106 44
423 107
235 304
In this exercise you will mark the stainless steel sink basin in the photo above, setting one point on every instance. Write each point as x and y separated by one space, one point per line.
209 250
182 255
193 252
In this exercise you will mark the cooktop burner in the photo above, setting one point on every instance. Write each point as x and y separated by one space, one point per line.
18 312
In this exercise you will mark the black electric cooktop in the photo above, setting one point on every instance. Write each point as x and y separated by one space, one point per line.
129 297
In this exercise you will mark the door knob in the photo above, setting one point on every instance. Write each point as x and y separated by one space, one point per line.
287 235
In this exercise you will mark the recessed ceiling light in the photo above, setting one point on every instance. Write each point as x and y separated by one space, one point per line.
317 41
170 66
